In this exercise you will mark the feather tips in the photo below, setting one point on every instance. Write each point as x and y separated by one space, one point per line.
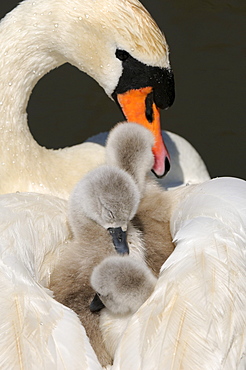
196 317
36 331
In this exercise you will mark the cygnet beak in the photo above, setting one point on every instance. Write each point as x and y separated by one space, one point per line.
119 239
138 106
96 304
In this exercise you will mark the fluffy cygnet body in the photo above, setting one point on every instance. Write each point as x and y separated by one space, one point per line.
109 197
153 220
122 285
106 198
129 148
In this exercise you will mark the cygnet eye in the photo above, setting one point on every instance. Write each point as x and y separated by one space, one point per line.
111 215
111 230
121 54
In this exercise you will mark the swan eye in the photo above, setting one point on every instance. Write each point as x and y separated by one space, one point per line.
121 54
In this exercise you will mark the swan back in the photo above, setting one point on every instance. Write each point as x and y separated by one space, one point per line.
107 195
122 283
129 146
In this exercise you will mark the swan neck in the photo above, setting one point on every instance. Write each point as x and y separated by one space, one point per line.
24 58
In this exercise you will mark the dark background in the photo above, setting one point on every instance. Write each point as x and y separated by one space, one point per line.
207 52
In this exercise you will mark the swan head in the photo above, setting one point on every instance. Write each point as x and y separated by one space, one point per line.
119 44
116 42
129 146
108 196
122 285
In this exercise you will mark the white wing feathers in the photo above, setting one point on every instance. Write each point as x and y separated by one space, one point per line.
37 332
196 317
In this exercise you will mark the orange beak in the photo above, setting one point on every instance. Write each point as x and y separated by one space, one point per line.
138 106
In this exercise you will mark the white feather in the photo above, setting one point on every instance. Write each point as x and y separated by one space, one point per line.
36 331
196 317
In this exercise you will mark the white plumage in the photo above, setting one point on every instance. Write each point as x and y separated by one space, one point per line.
36 331
196 317
198 301
33 326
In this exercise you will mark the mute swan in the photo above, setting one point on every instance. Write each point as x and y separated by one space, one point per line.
122 285
196 316
102 203
114 41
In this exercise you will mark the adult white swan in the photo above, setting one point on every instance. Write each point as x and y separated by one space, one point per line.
114 41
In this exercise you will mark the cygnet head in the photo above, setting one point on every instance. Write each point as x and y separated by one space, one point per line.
122 284
108 196
129 146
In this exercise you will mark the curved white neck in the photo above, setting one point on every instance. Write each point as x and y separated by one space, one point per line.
34 39
39 35
25 56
